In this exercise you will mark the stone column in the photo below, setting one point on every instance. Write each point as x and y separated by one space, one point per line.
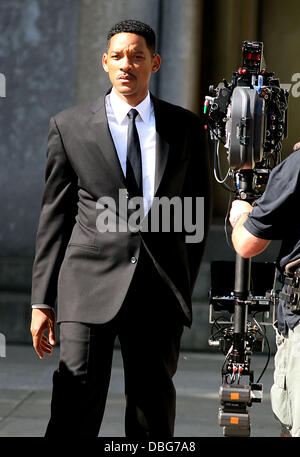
38 46
180 45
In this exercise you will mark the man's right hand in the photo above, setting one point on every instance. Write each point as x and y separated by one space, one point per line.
42 320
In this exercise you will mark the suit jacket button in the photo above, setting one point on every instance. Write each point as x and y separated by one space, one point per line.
133 259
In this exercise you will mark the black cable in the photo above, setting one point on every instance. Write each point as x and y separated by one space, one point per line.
215 323
268 358
215 133
221 330
217 171
217 167
263 327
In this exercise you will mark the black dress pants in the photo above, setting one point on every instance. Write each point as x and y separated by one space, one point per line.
149 326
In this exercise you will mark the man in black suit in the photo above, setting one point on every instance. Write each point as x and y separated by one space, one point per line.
116 271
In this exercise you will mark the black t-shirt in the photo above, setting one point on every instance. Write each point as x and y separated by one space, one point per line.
276 216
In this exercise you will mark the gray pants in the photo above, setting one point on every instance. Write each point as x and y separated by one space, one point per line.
285 392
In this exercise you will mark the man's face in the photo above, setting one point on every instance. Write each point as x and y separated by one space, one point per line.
129 63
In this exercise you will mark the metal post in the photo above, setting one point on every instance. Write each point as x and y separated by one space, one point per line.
241 293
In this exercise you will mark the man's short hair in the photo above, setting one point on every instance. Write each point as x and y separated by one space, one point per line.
134 26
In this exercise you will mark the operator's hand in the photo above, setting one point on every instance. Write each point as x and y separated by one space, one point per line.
238 208
42 320
296 146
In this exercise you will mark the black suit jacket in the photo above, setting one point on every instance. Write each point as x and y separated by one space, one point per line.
89 272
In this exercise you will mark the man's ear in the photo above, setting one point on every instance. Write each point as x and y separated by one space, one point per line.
156 63
104 62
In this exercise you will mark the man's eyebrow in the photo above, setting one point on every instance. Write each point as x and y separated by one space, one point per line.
134 51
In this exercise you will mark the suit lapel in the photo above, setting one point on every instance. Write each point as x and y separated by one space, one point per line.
105 142
162 146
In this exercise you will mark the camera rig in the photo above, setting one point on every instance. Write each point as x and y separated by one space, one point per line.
249 117
239 330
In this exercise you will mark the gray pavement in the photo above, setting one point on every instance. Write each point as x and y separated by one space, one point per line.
25 392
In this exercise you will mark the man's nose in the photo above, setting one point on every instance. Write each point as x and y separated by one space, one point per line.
126 63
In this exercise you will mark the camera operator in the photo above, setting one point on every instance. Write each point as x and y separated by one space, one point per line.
275 216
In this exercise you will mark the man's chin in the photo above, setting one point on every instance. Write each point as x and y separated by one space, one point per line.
129 94
124 92
125 89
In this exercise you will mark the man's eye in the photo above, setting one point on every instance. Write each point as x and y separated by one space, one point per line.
115 56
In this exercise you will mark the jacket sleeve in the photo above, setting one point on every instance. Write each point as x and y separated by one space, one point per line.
57 218
198 184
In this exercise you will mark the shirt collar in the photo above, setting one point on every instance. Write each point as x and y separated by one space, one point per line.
121 108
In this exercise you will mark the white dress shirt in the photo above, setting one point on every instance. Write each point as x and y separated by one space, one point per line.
117 110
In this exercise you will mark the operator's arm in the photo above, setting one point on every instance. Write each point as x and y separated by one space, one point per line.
253 227
245 244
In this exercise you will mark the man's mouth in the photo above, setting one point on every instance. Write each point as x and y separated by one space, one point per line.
126 77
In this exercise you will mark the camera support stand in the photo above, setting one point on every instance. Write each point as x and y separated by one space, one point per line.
235 397
241 293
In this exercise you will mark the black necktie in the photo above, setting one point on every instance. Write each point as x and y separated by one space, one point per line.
134 180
